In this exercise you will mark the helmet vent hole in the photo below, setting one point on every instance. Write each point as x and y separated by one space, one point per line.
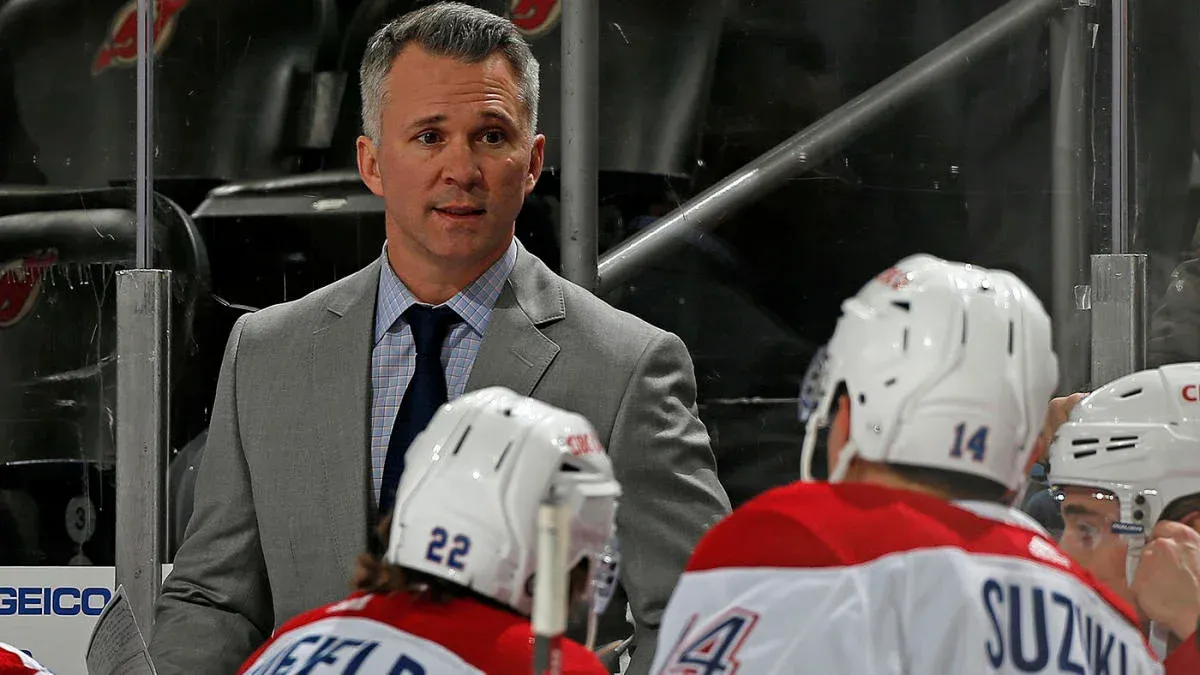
503 454
1011 329
461 439
862 399
1085 441
1131 393
1084 453
902 304
906 339
890 382
1122 443
964 332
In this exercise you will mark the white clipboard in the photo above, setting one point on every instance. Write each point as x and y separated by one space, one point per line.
116 646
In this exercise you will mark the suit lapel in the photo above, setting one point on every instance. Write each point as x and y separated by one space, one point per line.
514 352
341 395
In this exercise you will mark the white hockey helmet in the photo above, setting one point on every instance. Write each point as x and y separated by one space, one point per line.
946 366
1137 437
467 505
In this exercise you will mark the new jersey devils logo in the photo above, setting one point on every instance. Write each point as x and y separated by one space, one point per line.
120 49
20 282
534 17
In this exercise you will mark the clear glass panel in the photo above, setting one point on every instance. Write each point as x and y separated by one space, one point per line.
67 120
1166 137
963 173
248 97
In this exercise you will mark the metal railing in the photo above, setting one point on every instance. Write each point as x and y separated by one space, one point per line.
819 141
581 139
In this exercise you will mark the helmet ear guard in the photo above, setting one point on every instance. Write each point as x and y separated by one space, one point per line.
604 574
816 399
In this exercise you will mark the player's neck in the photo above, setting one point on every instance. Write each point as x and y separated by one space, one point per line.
875 473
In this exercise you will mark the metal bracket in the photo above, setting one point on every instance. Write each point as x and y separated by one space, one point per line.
143 421
1118 315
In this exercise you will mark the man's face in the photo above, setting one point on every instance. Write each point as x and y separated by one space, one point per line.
1088 516
455 159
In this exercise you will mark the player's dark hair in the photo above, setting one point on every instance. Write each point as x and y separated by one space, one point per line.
373 575
451 29
1181 507
953 484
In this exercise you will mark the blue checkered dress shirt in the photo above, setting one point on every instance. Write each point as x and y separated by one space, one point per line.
394 352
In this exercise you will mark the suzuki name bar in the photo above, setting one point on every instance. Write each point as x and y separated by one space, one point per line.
53 601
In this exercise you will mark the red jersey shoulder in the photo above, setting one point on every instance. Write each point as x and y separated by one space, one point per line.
351 606
514 654
578 660
1185 659
14 662
491 639
822 525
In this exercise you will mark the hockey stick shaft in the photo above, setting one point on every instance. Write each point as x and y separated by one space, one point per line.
550 588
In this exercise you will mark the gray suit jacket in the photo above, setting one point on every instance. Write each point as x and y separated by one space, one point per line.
282 495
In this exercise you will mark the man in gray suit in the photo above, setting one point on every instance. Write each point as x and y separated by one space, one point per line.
314 393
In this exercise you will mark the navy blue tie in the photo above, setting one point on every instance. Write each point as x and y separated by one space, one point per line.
425 394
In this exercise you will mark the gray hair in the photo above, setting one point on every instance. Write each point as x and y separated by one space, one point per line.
450 29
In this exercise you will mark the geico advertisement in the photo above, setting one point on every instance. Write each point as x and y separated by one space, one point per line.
50 611
57 601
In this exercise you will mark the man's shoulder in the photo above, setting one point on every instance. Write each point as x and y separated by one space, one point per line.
513 654
286 317
590 320
821 525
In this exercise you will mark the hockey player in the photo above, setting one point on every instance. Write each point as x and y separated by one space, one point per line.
453 591
13 661
910 559
1126 471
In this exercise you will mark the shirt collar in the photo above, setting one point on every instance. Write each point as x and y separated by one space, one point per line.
473 303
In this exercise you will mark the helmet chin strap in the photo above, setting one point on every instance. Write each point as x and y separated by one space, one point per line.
808 451
847 455
1133 556
1018 495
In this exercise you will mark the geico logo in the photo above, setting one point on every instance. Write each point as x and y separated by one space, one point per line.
47 601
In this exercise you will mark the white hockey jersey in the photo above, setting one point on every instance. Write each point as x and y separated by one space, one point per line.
867 580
